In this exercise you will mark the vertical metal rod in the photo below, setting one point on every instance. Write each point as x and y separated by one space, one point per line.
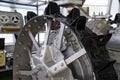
47 32
37 8
60 35
12 6
109 7
118 24
119 6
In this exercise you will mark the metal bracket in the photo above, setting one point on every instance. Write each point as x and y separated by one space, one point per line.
62 65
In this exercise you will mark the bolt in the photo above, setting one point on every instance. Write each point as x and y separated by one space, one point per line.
75 43
54 19
69 32
73 39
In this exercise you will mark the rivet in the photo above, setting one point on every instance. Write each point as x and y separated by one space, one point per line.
35 20
17 55
26 30
24 48
45 17
29 26
19 43
19 79
38 27
23 34
17 72
17 66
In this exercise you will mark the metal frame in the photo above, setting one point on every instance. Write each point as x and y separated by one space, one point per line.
33 67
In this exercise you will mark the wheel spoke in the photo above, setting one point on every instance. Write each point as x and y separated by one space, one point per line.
31 59
47 32
60 36
34 41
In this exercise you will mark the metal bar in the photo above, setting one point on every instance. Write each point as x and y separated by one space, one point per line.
27 73
119 6
58 67
34 77
75 56
31 59
109 7
9 2
62 65
37 10
60 36
47 32
33 40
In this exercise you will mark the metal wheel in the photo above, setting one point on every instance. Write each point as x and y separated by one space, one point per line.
60 57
